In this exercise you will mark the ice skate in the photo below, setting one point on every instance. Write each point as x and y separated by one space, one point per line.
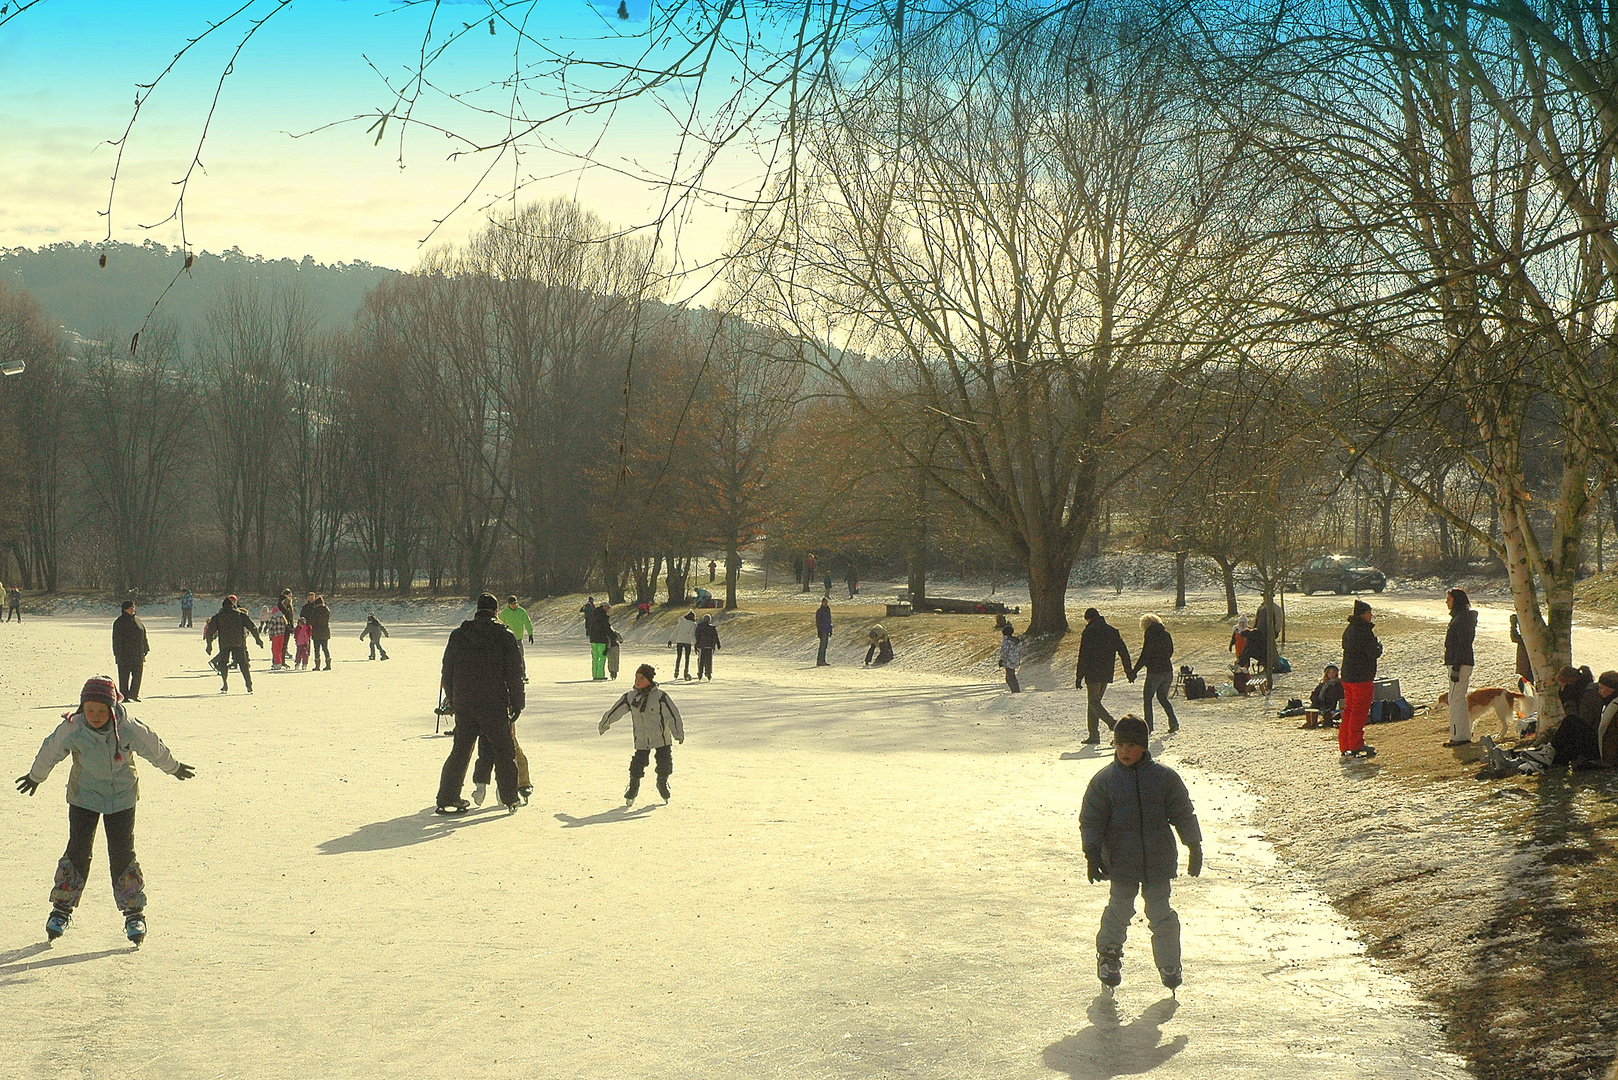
1110 968
58 922
523 793
663 787
512 807
459 806
135 928
631 791
1172 977
479 791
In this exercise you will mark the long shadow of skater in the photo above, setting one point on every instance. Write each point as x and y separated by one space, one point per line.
19 961
1106 1048
615 814
417 828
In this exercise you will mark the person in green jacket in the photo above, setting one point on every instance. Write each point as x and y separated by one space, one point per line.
102 787
515 616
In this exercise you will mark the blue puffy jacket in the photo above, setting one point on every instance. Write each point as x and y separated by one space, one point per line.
1126 818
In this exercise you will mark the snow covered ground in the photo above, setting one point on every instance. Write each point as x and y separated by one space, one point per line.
862 873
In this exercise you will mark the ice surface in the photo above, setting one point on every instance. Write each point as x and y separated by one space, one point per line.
862 873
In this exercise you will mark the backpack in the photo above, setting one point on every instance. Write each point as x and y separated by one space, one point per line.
1195 686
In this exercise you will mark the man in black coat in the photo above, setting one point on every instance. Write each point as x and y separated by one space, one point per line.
231 625
1098 645
482 683
129 649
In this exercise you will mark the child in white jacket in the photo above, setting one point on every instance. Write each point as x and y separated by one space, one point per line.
102 787
1010 657
657 727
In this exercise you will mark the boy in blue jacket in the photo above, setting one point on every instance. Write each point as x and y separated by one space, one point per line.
102 787
1125 823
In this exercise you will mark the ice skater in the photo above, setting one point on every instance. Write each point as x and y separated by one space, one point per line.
707 644
231 625
1125 824
1010 656
102 787
376 631
274 627
482 684
186 603
129 649
515 616
657 727
14 604
684 637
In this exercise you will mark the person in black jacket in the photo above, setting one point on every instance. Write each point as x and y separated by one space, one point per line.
707 642
598 628
1326 699
1463 630
482 683
1157 658
129 649
231 625
1098 645
1360 652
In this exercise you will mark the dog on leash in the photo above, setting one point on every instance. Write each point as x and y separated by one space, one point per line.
1497 700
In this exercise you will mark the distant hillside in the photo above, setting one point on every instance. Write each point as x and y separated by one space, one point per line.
84 298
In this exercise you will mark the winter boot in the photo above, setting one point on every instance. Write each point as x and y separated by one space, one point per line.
631 791
135 927
58 922
663 787
479 792
1110 967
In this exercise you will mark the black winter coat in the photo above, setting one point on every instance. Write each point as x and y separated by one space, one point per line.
598 625
1156 650
129 643
231 625
707 636
482 674
1360 651
1098 644
1463 630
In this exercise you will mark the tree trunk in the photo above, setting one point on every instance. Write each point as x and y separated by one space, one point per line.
733 570
1227 571
1047 593
1179 580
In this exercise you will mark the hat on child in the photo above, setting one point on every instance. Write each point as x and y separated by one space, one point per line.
1609 679
100 688
647 670
1361 607
1132 730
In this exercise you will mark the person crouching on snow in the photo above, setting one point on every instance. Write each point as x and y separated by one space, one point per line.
1128 809
102 786
657 727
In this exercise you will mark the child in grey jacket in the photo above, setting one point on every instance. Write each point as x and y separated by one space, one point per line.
1128 809
102 786
657 727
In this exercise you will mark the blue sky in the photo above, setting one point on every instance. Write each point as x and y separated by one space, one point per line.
68 76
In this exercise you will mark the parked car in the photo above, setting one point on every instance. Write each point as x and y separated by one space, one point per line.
1341 574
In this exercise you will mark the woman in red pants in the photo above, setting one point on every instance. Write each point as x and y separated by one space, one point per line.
1360 652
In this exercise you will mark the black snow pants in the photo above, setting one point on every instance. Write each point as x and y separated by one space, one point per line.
496 737
665 762
73 870
238 657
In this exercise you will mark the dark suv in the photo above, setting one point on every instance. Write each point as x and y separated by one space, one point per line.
1340 574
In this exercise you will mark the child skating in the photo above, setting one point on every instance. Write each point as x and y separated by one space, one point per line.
302 636
102 786
376 632
657 727
1125 824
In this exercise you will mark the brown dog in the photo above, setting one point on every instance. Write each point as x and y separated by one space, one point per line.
1503 703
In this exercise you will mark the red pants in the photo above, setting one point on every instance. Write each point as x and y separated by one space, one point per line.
278 649
1356 710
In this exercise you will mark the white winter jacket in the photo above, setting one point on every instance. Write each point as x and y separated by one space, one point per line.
103 777
684 632
657 721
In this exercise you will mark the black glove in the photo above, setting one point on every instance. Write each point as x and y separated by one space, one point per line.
530 639
184 772
1096 869
1078 682
27 785
1454 674
514 714
1194 865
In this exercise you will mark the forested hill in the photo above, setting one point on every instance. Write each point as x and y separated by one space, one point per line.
79 294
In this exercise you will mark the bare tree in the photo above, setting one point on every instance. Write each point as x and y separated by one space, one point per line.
43 414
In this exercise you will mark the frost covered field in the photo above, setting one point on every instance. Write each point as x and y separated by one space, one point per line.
861 874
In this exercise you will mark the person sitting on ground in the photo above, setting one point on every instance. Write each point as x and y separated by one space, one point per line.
1326 699
1575 738
881 646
